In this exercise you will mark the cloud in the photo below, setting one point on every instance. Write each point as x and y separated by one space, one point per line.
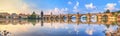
119 1
57 11
110 6
75 8
15 6
77 5
90 6
70 2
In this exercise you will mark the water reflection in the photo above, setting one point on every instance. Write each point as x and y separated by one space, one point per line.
58 28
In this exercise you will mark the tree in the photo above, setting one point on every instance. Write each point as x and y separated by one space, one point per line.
107 11
33 13
33 16
118 11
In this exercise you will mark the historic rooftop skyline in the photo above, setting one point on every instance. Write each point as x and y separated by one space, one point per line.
58 6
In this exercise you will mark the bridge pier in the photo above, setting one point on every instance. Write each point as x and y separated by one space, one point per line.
77 16
67 17
99 18
88 18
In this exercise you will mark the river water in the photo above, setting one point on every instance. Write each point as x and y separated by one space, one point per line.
54 28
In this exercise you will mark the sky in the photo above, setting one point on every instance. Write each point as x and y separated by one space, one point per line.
58 6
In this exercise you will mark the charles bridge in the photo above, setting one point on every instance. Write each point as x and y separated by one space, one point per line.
105 17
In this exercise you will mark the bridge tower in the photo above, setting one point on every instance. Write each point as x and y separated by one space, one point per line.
42 14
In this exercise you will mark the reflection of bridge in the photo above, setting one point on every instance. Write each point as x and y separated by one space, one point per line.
100 17
77 21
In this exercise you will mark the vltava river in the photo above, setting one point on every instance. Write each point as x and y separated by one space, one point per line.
55 28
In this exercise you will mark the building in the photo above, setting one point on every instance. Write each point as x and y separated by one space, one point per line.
14 16
23 16
4 15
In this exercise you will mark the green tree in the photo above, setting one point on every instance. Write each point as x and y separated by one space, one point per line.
118 11
33 16
107 11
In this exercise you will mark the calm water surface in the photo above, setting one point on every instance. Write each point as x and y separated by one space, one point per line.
54 28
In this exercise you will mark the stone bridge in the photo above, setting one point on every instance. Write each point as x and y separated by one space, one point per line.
105 17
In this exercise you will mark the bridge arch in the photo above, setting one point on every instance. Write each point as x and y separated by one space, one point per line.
118 18
51 17
93 18
105 18
56 17
64 17
83 18
73 18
